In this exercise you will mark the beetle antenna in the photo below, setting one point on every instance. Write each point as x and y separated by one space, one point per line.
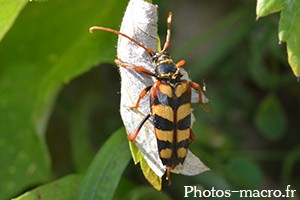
168 32
119 33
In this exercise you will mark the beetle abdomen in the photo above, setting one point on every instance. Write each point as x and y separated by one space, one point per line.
171 108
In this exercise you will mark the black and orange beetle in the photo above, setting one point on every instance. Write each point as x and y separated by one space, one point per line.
170 103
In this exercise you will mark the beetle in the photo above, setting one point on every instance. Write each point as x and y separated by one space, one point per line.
170 101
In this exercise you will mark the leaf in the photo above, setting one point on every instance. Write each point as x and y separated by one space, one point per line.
289 164
82 152
140 23
43 51
65 188
146 193
106 169
289 30
270 118
267 7
247 170
139 15
150 175
9 11
104 173
39 0
136 154
192 166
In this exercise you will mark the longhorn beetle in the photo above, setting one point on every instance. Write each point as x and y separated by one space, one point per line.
170 103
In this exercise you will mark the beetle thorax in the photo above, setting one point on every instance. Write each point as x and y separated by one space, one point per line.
165 67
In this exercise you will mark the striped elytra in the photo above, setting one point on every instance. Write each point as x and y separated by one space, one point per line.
171 108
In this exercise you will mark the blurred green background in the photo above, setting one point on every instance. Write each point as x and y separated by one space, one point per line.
59 96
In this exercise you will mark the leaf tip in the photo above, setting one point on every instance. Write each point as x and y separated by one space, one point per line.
257 18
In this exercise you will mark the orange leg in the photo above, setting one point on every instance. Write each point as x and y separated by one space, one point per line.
180 63
131 137
143 93
196 86
192 137
140 69
168 174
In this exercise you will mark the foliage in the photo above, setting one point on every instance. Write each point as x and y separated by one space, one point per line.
59 106
289 29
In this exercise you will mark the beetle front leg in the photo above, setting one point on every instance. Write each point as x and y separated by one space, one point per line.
137 68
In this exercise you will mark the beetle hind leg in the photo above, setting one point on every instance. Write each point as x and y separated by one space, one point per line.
168 174
192 137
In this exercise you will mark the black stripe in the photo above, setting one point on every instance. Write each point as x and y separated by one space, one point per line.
164 145
183 143
173 162
162 99
181 160
183 99
184 123
162 123
166 161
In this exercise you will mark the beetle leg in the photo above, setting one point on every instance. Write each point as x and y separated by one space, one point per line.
143 93
131 137
168 174
180 63
192 137
137 68
196 86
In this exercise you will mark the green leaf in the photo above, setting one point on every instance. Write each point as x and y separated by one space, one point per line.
44 50
135 152
146 193
9 11
270 118
100 181
106 169
266 7
65 188
289 30
290 162
247 170
82 152
149 174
